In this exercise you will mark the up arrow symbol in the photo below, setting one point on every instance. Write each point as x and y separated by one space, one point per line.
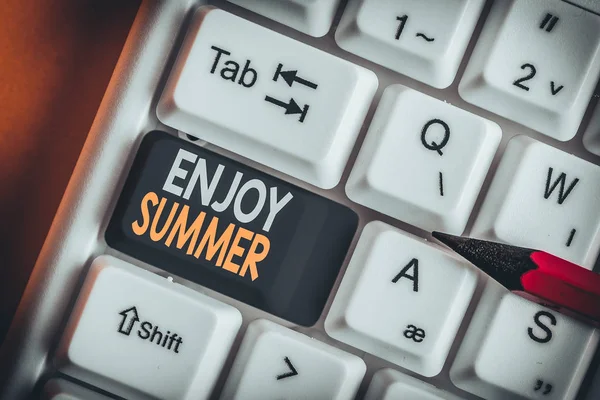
130 316
289 374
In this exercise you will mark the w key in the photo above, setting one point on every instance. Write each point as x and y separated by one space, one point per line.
231 228
546 199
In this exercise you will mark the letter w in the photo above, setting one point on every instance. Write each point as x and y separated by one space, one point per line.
562 193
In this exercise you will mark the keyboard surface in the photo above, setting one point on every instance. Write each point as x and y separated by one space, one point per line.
250 218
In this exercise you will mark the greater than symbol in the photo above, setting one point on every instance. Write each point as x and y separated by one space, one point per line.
292 372
571 236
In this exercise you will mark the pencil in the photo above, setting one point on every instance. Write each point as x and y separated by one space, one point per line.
536 272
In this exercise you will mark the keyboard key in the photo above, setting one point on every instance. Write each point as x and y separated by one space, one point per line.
277 363
60 389
311 17
591 138
590 5
401 299
423 161
545 199
536 63
515 348
388 384
133 331
423 39
267 97
231 228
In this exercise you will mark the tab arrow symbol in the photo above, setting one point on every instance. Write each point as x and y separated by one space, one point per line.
291 76
130 316
292 372
290 108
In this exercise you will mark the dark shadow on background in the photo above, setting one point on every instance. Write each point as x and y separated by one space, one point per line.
56 59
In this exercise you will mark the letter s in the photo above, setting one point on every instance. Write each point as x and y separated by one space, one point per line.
138 229
146 327
536 319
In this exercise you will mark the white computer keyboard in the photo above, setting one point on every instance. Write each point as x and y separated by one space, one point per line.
250 215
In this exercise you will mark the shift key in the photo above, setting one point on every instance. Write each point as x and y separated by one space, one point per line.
231 228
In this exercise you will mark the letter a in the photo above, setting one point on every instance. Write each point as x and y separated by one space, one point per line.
414 264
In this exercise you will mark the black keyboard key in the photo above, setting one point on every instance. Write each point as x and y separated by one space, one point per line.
231 228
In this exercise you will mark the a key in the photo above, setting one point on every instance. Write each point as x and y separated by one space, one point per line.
401 299
267 97
61 389
545 199
517 349
231 228
388 384
591 137
536 63
277 363
311 17
423 160
143 336
423 39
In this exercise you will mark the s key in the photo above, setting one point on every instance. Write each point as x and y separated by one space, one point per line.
517 349
231 228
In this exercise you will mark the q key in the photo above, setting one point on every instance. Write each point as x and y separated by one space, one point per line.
423 160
